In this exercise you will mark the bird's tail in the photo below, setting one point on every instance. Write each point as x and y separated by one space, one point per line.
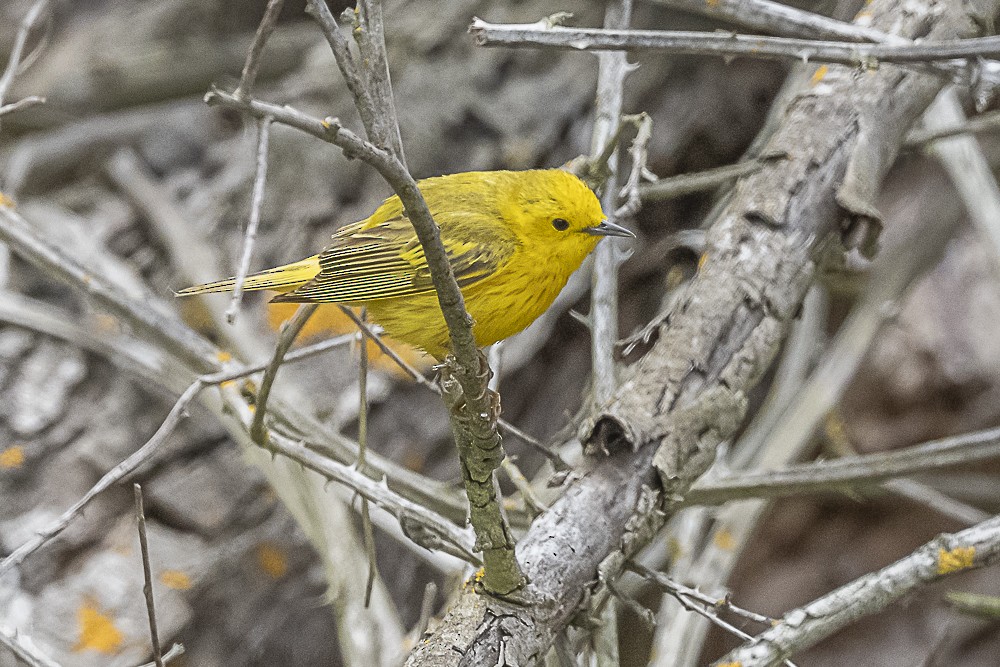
281 279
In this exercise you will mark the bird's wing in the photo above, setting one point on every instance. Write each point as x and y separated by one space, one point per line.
367 262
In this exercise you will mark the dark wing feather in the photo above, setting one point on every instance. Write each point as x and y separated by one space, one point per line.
386 261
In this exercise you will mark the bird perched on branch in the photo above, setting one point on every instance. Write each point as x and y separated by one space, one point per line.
512 237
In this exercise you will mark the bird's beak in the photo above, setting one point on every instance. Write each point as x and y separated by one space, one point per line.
609 229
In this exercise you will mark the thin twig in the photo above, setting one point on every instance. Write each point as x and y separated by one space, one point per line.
17 51
935 500
557 461
801 628
426 609
366 521
699 181
252 64
24 649
256 203
191 252
849 472
612 70
970 172
730 45
346 61
985 123
677 590
778 19
639 172
688 596
113 476
422 525
175 651
147 576
369 33
521 483
23 103
289 331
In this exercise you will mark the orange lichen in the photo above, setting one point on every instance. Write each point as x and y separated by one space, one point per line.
723 539
12 457
6 201
175 580
959 558
223 356
98 631
272 560
818 74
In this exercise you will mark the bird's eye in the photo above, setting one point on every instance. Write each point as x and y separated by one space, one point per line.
560 224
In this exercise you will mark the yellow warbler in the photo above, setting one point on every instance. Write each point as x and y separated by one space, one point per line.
513 238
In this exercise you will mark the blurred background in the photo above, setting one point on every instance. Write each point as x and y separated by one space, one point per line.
126 168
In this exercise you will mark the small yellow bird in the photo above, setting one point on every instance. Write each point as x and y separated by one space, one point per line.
513 238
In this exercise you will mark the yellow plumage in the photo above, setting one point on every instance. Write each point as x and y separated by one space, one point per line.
513 239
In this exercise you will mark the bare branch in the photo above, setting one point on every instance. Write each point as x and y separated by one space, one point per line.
775 18
370 36
289 331
988 122
419 523
17 51
347 63
778 19
801 628
970 171
930 497
612 70
557 461
849 472
730 45
163 331
175 651
256 203
147 576
113 476
24 649
252 64
700 181
24 103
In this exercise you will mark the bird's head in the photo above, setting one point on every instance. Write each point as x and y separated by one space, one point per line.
556 211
